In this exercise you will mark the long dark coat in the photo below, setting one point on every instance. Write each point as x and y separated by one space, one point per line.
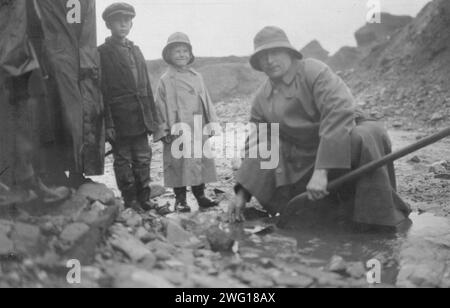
73 67
130 106
316 114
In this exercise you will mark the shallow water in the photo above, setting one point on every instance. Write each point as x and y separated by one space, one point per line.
317 245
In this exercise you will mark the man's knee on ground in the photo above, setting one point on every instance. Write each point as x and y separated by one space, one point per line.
370 136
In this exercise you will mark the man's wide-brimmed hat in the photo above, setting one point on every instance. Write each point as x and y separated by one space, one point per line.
177 38
271 38
118 8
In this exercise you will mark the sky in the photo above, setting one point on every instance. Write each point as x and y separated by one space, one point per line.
227 27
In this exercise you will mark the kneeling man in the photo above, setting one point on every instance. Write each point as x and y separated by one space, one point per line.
322 136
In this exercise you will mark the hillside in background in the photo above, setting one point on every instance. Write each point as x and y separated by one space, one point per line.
367 37
315 50
399 69
407 75
226 78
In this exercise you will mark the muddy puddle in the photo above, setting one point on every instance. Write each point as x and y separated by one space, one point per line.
317 246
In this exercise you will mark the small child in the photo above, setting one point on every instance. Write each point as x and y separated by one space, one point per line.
130 109
180 97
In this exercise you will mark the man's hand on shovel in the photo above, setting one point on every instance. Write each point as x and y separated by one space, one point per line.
317 187
298 202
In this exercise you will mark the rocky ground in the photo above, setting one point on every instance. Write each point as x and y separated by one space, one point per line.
123 248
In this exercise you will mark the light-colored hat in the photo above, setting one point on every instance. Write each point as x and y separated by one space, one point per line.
270 38
119 8
177 38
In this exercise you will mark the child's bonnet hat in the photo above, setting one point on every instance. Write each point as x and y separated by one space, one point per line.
177 38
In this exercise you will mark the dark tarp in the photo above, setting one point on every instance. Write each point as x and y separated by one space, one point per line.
74 64
16 59
16 55
70 103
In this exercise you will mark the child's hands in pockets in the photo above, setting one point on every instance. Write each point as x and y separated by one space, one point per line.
110 135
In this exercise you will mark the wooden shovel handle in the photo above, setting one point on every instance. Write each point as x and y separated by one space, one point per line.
356 174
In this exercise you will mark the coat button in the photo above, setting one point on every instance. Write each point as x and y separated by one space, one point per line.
279 170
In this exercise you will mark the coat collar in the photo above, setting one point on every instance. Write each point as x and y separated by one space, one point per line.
113 41
287 79
173 71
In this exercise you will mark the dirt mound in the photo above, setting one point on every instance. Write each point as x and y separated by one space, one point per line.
407 75
231 80
226 78
345 58
374 32
315 50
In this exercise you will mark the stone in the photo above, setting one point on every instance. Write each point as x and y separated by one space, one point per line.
6 245
4 189
131 218
268 263
84 249
438 167
177 278
91 273
322 278
255 280
50 229
5 226
356 270
157 190
71 208
144 235
148 262
74 232
129 245
416 159
438 116
219 240
27 239
163 256
199 253
337 265
131 277
208 282
93 215
160 246
177 236
424 254
204 263
442 176
397 124
293 281
97 192
175 264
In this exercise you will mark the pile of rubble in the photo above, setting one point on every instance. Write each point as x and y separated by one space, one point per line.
37 239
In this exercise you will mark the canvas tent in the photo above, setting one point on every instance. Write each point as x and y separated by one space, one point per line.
58 38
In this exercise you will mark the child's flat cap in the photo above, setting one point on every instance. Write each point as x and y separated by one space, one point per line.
118 8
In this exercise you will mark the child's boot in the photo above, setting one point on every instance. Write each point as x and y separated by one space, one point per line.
130 199
144 199
203 201
181 202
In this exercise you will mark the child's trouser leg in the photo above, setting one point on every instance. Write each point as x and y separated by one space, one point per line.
203 202
122 168
181 202
141 160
